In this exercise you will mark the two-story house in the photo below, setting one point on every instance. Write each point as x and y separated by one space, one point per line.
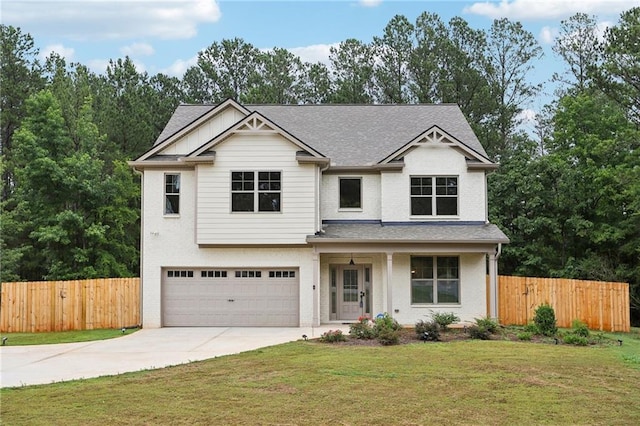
297 215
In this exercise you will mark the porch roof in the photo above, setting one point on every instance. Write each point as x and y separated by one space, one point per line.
424 232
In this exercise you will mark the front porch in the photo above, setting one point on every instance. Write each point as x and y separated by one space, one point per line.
405 276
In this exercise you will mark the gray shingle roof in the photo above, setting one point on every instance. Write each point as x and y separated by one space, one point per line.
350 135
424 233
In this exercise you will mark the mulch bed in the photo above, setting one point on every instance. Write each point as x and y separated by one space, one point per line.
408 335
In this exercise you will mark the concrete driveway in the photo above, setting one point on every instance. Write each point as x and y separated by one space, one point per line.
142 350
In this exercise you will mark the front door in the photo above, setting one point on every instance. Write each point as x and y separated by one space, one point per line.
350 288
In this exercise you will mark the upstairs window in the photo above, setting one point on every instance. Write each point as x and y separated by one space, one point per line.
434 196
171 193
256 191
350 193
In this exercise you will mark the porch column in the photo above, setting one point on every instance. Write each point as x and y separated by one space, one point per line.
316 289
390 283
493 285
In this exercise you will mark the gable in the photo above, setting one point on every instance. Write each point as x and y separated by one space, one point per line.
435 136
255 125
192 125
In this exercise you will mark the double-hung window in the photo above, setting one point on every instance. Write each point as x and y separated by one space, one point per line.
434 196
350 193
256 191
435 280
171 193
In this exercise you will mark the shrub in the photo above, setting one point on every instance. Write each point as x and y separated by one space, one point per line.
488 324
574 339
580 328
545 320
385 322
525 335
477 332
428 330
333 336
388 336
444 319
531 328
363 329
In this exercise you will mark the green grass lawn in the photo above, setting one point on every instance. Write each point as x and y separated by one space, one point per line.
23 339
464 382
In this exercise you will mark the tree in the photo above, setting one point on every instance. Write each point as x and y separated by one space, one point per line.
426 64
230 67
577 46
619 75
352 64
393 51
20 76
76 219
511 51
316 86
279 78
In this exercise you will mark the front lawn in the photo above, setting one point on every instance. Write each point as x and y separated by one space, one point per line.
23 339
461 382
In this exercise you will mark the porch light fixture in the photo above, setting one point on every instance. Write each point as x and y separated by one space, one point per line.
351 262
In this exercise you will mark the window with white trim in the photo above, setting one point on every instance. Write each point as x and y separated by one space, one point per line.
434 196
350 193
171 193
256 191
435 280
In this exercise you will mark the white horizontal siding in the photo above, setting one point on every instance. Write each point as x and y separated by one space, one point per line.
216 224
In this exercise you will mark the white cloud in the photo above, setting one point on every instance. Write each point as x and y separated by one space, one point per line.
98 66
314 53
370 3
548 9
65 52
137 49
109 19
548 34
179 67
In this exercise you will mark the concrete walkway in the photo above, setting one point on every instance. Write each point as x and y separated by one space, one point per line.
142 350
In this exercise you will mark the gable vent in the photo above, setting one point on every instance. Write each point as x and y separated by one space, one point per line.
254 124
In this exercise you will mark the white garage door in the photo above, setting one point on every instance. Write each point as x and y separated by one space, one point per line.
230 297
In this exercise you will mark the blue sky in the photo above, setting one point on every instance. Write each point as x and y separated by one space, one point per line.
166 35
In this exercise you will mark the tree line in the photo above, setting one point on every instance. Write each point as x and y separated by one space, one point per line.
568 195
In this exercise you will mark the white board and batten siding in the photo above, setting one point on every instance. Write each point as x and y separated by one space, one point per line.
216 224
204 132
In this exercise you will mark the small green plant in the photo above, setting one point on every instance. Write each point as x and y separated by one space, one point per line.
385 321
428 330
389 336
574 339
477 332
488 324
531 328
363 329
580 328
545 320
524 335
444 319
333 336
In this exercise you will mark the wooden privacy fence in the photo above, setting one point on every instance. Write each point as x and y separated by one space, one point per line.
600 305
70 305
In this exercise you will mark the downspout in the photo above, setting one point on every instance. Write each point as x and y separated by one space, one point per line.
140 296
493 258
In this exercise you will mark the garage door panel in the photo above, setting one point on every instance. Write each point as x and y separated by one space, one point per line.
257 297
